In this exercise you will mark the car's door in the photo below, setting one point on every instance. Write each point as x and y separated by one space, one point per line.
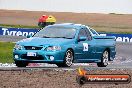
84 49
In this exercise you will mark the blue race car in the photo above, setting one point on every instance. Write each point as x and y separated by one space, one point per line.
65 44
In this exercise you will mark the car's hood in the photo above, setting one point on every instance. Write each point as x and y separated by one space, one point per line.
36 41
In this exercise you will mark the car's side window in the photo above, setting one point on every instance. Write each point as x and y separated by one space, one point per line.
82 33
88 34
85 33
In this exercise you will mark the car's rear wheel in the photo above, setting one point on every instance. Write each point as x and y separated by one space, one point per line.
21 64
104 59
68 59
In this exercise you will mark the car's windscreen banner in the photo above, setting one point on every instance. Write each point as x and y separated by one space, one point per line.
31 31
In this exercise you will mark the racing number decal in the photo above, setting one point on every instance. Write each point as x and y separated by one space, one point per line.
85 47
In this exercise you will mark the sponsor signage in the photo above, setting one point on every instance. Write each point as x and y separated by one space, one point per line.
31 31
119 37
17 31
84 77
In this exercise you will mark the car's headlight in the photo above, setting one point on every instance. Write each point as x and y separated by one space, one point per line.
18 47
53 48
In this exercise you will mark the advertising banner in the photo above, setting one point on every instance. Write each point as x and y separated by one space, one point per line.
17 31
31 31
119 37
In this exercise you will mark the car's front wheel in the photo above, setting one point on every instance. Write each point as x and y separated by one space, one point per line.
68 59
104 59
21 64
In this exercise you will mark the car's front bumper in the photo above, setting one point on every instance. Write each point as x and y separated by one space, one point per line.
41 56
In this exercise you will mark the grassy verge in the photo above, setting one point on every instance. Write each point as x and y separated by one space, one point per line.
98 28
18 26
112 30
125 29
6 49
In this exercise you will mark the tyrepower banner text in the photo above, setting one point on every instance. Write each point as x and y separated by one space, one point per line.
17 31
119 37
31 31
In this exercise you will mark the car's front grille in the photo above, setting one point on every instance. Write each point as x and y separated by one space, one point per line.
38 57
32 48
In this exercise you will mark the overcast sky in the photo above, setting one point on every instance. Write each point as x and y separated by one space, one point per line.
88 6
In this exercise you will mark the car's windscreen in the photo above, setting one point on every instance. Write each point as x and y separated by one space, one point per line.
56 32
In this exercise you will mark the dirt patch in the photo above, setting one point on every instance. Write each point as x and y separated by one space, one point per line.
53 79
102 22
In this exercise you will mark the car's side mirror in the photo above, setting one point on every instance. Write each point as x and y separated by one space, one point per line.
82 38
29 36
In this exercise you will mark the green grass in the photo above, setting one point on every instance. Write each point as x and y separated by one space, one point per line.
18 26
113 30
6 52
97 27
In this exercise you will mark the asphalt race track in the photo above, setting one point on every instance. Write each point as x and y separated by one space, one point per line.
123 58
